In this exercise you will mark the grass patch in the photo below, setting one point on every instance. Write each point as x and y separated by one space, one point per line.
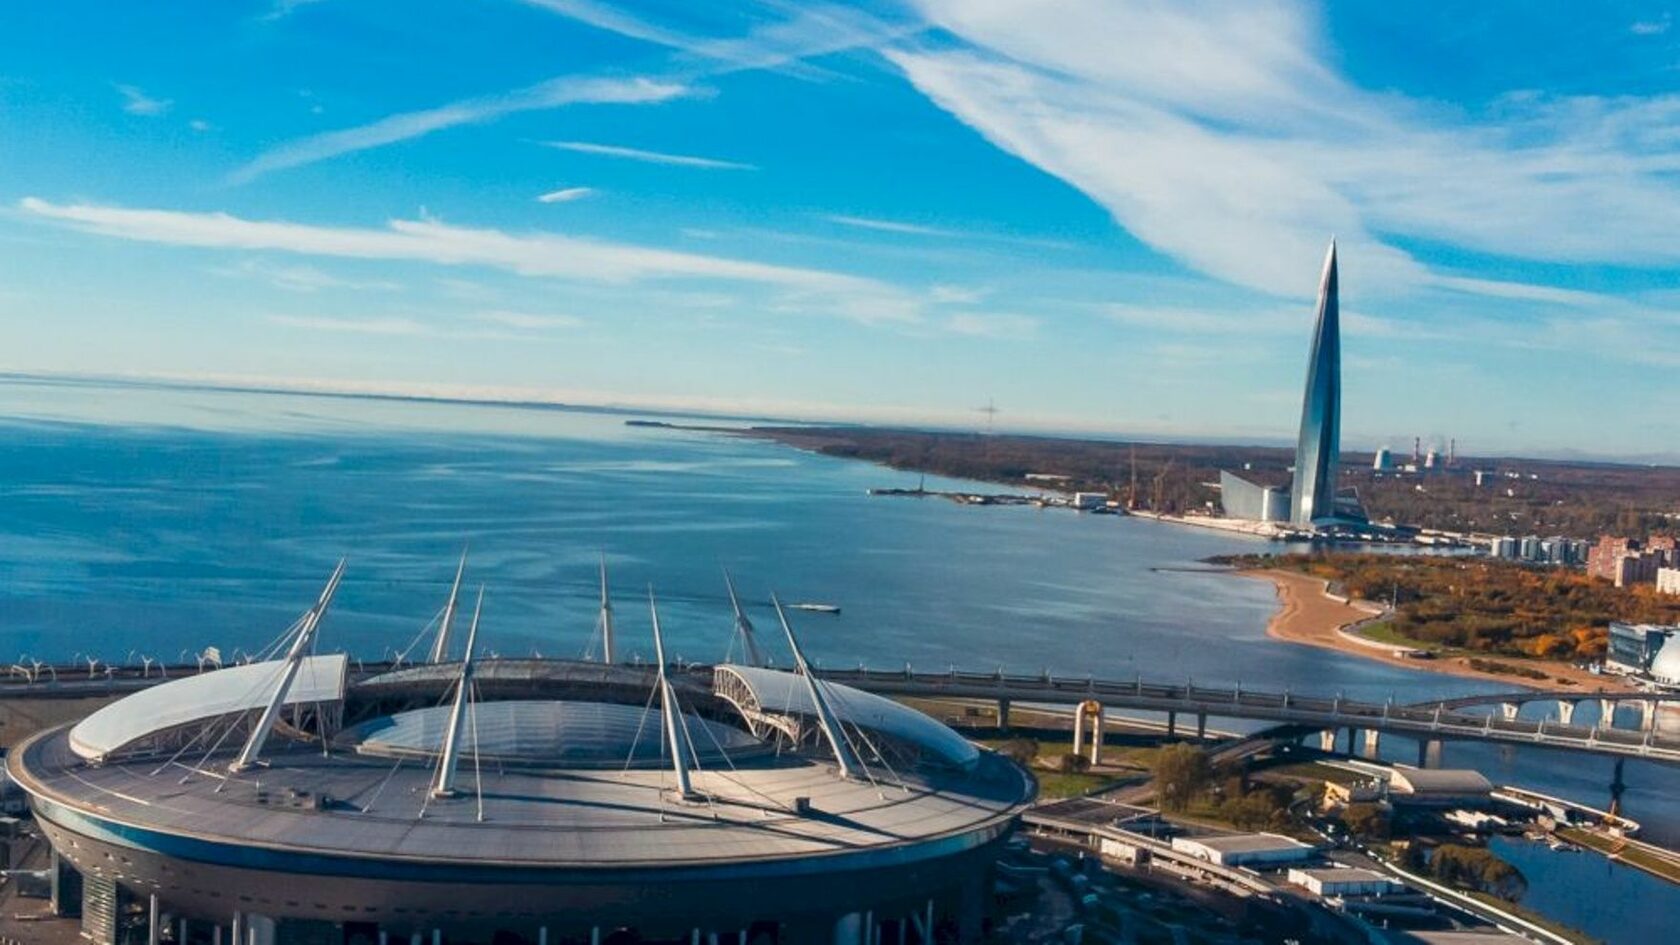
1550 925
1382 631
1056 785
1315 771
1632 856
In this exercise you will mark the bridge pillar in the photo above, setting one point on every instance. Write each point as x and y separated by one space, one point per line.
1327 741
1508 710
1352 740
1003 714
1647 714
1090 710
1606 713
1566 712
1201 726
1429 753
1172 723
1372 743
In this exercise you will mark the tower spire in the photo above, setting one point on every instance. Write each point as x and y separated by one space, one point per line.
444 785
294 658
674 729
604 623
440 648
743 626
1312 494
849 765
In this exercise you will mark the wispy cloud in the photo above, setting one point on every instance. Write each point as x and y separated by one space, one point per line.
554 93
136 102
526 321
1655 27
199 125
531 254
649 157
1003 326
890 226
1222 136
301 278
388 325
566 195
938 232
284 8
777 35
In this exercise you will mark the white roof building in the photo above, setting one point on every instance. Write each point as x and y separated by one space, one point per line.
1246 849
1344 881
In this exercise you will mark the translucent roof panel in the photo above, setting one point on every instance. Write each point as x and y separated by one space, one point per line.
205 696
779 691
583 734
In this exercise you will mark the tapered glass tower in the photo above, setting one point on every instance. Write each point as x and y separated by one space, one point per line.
1312 496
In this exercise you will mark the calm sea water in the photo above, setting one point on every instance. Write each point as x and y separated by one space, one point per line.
154 522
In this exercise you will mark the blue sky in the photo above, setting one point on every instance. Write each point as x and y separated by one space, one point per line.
1105 217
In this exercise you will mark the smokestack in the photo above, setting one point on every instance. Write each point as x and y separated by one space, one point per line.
1452 451
1417 447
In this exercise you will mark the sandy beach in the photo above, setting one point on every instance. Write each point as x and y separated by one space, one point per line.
1309 615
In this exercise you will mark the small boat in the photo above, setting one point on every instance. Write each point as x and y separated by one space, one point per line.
817 608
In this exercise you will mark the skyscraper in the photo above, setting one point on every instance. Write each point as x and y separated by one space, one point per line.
1312 494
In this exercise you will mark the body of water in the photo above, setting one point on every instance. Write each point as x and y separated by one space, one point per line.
155 522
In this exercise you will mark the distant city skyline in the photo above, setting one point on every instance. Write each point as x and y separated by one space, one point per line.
1105 217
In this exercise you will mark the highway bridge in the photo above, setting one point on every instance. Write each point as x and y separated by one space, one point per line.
1490 718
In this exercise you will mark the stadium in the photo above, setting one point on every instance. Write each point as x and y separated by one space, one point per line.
293 800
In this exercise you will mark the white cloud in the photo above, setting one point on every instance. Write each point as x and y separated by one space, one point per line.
566 195
554 93
1655 27
406 327
1220 135
957 294
301 278
531 254
890 226
136 102
992 325
199 124
649 157
525 321
776 35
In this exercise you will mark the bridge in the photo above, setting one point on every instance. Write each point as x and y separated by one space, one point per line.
1429 723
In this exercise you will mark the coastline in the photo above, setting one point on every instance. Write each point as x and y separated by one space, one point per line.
1308 614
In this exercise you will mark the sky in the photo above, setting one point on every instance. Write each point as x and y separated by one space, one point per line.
1101 218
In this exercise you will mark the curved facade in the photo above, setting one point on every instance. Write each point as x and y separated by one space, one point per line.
566 822
1312 494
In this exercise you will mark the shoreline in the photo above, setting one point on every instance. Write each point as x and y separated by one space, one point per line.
1308 614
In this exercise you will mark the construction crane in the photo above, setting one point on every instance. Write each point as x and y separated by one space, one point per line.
1160 485
1131 494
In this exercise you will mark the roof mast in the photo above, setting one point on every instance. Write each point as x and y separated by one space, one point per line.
604 623
440 649
668 707
294 658
444 785
749 642
849 765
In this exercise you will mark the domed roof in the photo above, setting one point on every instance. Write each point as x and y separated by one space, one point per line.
564 733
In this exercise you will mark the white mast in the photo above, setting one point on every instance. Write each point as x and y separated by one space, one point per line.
668 706
743 626
849 765
605 622
294 658
440 649
444 785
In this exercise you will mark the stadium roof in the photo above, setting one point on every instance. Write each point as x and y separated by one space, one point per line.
205 696
779 691
586 734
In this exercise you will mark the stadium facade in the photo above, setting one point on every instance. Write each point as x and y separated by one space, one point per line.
509 801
